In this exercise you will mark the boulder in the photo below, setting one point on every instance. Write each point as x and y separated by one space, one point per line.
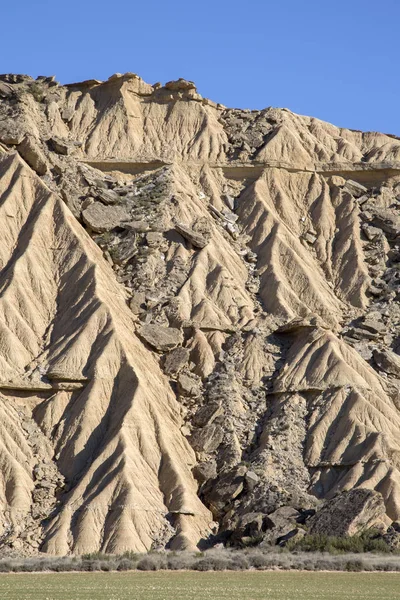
251 526
137 303
368 329
230 201
251 480
359 333
354 188
230 217
374 326
388 361
349 513
63 146
31 152
108 196
176 360
208 438
388 220
228 487
102 218
161 338
309 237
137 226
207 413
371 233
232 229
205 471
251 257
282 516
196 239
67 114
125 249
189 384
275 528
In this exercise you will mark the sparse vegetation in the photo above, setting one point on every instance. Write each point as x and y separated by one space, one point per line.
37 91
333 558
366 542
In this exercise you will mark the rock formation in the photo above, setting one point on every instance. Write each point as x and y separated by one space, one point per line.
199 318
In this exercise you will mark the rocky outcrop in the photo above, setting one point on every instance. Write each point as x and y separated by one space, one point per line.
199 320
350 513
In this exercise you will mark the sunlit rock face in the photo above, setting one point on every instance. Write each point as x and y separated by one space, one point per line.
199 318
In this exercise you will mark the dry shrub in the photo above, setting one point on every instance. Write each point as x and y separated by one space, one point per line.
125 564
112 565
259 560
369 541
210 560
212 563
5 566
180 561
90 565
152 562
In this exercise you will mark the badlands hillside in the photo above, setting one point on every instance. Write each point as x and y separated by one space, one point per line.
199 321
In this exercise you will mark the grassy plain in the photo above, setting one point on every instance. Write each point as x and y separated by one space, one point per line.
267 585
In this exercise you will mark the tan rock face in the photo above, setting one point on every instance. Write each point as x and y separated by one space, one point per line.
198 312
350 513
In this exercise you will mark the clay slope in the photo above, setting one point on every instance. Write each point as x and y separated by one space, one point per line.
111 421
199 316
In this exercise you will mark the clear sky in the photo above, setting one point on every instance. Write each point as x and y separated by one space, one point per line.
337 60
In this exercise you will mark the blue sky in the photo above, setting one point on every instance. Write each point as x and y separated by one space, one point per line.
336 60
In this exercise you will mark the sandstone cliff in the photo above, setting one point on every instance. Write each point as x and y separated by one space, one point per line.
199 315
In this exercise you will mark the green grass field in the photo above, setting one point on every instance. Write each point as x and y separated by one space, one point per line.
201 586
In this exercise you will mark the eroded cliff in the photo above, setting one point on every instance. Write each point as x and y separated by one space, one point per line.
199 318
